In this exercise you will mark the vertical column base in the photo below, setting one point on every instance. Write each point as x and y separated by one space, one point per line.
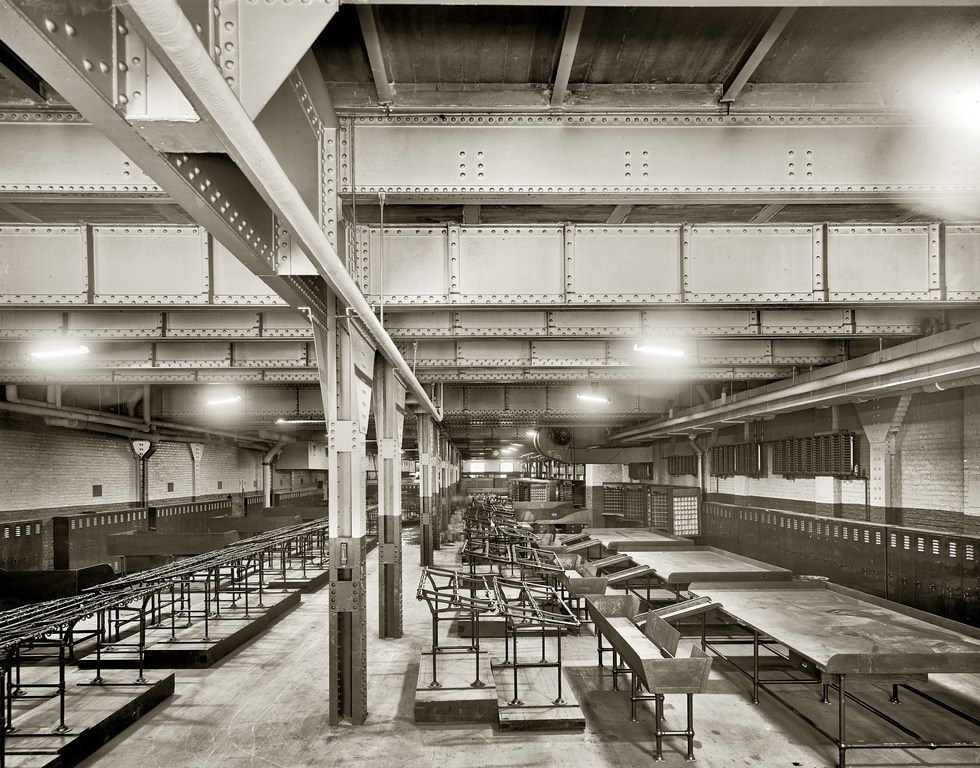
347 653
390 577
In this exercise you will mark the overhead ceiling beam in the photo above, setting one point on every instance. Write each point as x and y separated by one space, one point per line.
18 213
471 214
368 17
766 213
566 57
741 76
619 213
520 159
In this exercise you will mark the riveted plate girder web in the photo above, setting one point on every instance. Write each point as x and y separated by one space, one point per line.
695 264
647 157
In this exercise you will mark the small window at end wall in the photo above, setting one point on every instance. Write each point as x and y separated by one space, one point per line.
170 487
96 491
219 485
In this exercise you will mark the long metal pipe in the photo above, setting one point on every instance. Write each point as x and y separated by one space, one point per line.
767 398
186 60
32 408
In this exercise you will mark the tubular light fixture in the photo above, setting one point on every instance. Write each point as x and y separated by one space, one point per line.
300 421
532 433
592 398
659 350
56 352
226 400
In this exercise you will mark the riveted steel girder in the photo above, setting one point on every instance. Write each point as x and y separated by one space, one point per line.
230 316
626 158
684 264
706 358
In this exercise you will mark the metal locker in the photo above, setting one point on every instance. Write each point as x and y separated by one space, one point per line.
893 566
878 561
952 578
970 570
906 554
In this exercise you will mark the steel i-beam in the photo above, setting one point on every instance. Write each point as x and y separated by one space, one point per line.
389 400
342 390
426 434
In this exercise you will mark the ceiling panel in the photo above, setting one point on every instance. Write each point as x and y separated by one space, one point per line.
470 44
855 45
663 45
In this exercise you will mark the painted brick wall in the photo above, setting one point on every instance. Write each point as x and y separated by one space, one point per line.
930 455
44 468
170 464
234 468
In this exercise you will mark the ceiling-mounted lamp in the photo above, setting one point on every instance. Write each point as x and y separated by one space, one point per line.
659 350
224 400
53 353
320 422
592 397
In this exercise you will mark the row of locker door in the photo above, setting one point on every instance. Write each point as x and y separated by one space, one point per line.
934 572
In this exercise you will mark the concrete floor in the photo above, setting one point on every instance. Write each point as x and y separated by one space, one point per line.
265 705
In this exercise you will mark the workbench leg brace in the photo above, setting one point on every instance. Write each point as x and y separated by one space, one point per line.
837 682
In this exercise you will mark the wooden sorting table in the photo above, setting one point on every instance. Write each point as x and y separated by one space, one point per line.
831 633
635 539
678 568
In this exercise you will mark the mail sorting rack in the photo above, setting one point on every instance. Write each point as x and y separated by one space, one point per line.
193 591
516 560
531 609
448 593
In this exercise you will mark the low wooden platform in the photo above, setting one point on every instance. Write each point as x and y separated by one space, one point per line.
190 650
456 700
95 715
538 688
312 581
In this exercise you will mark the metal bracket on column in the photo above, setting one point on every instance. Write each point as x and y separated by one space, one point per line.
388 448
344 436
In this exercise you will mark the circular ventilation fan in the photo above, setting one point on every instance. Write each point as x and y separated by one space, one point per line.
561 437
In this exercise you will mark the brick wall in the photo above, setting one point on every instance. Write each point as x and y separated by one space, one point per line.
936 473
297 479
46 468
49 471
232 467
929 459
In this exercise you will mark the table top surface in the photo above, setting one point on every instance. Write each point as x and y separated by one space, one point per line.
682 566
844 634
624 538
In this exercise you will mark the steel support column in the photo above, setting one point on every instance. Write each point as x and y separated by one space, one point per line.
426 438
389 402
342 387
882 423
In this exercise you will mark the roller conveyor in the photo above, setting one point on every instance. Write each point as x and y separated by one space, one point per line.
628 574
608 562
